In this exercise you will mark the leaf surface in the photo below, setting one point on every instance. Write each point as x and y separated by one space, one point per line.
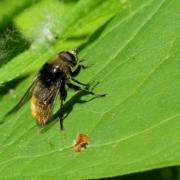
134 128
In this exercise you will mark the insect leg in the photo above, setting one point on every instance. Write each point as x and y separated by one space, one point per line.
61 114
77 88
78 82
78 69
63 95
74 87
76 72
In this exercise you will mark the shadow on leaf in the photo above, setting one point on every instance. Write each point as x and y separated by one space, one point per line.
10 85
69 105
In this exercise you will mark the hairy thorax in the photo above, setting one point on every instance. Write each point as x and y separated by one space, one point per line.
63 66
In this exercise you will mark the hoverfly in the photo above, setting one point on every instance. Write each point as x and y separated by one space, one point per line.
50 82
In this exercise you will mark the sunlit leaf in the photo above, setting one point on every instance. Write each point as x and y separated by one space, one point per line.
134 128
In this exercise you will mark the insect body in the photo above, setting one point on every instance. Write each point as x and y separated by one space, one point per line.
49 83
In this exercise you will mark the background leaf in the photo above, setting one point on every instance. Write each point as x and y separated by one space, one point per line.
62 28
134 128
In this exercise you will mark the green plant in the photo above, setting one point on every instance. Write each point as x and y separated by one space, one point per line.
134 46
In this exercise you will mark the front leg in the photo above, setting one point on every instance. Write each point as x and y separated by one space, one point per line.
78 69
76 72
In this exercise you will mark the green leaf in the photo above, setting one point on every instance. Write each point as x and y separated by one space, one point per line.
63 27
134 128
10 8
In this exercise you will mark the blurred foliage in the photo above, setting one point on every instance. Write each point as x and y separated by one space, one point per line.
12 42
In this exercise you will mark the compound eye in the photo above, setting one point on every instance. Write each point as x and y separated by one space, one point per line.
67 56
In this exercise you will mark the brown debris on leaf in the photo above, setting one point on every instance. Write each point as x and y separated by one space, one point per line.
81 142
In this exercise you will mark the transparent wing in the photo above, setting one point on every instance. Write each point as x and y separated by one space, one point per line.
44 101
